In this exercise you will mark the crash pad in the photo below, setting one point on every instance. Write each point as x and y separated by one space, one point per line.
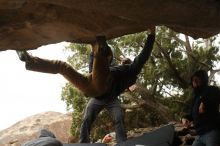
163 136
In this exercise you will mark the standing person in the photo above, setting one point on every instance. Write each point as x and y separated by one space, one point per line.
205 111
93 84
123 77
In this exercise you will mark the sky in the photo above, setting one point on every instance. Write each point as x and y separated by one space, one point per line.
24 93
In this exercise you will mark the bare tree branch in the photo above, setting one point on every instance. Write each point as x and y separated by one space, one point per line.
187 45
182 82
213 72
147 100
172 34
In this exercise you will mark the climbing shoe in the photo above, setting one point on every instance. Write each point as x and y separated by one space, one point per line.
23 55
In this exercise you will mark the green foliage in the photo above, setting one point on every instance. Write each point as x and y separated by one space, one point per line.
79 58
128 45
166 77
73 98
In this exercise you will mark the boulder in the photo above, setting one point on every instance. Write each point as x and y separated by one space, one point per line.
29 24
28 128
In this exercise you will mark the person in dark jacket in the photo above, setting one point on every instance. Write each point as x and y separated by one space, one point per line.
93 84
205 111
46 138
124 76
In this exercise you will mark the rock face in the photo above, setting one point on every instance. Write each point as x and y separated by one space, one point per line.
28 128
28 24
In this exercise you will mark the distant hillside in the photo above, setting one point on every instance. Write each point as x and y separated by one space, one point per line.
29 127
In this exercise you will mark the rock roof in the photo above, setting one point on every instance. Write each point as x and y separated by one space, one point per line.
29 24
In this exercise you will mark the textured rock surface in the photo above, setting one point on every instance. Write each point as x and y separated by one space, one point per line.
28 128
28 24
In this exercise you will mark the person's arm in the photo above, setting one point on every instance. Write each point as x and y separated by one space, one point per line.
144 55
210 101
202 108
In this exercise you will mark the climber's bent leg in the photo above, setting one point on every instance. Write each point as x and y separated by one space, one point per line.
101 77
83 83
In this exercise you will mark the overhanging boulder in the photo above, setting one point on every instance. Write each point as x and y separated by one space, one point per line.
28 24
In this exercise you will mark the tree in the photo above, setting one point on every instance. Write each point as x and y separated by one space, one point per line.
163 86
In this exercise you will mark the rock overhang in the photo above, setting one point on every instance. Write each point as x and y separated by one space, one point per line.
29 24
